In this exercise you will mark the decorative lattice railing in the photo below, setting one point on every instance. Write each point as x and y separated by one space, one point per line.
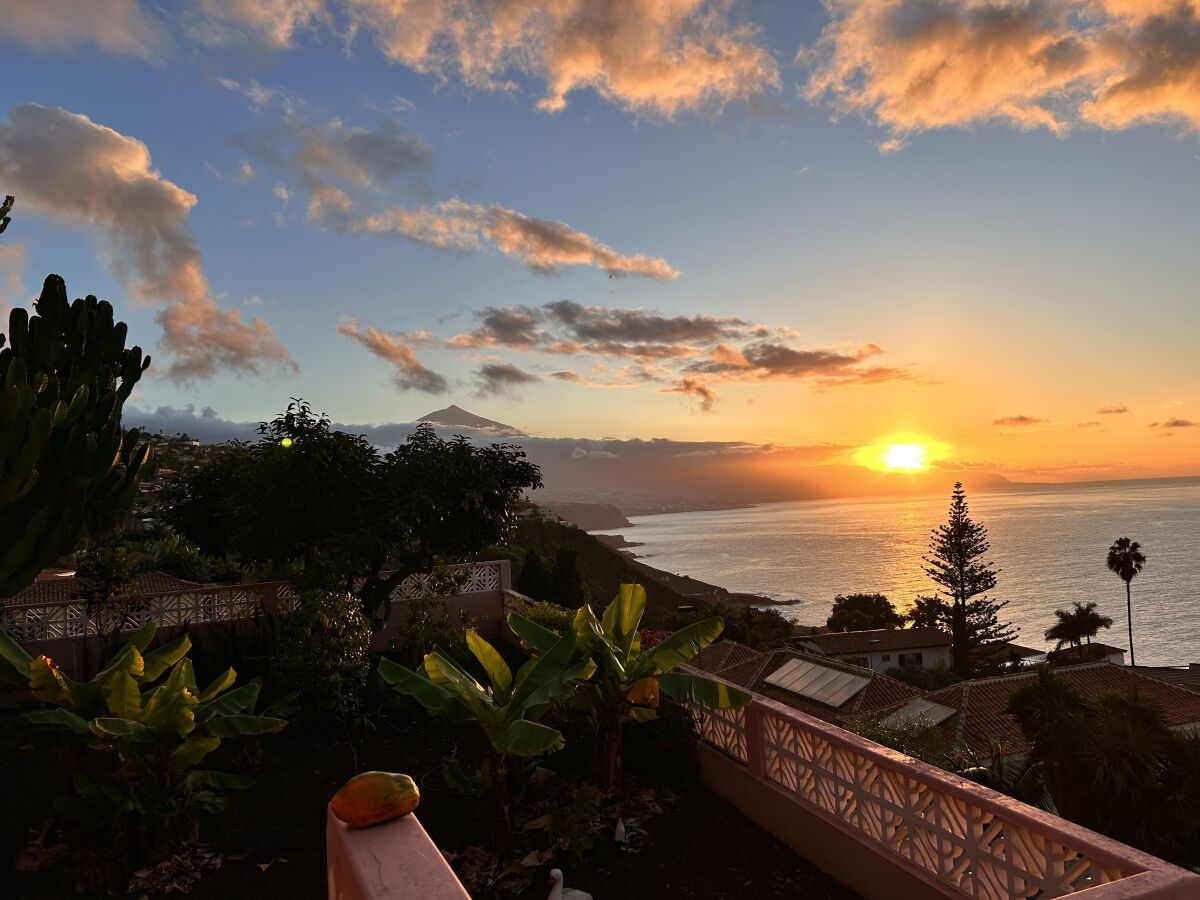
970 841
70 619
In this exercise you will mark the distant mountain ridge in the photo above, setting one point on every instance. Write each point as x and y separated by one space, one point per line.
457 416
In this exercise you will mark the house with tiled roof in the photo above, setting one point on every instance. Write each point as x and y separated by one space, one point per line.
881 649
971 714
1185 676
822 687
1093 652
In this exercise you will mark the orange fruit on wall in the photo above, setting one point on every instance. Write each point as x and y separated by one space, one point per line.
374 797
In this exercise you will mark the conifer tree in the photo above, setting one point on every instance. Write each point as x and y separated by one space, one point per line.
534 580
957 564
566 584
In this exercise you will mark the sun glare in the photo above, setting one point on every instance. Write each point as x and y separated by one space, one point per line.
904 456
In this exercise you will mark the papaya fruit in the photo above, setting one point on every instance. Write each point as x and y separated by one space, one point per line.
374 797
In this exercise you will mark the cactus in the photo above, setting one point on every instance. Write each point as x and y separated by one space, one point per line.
5 208
66 466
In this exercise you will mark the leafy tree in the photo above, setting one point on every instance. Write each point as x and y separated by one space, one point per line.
566 584
309 495
858 612
67 468
762 629
5 208
202 504
956 563
534 581
1126 561
104 572
1111 764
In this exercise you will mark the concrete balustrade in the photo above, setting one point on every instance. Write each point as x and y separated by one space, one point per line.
895 828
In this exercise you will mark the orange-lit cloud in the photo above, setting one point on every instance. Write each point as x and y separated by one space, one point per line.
82 174
1112 410
915 65
409 373
705 397
661 57
1017 420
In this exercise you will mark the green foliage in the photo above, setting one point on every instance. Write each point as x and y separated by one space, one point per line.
566 584
550 616
148 726
173 554
1111 764
762 629
508 710
859 612
534 580
66 465
629 680
915 737
308 494
956 563
575 822
322 652
428 623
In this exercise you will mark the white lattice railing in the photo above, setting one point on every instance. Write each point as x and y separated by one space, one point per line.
971 841
69 619
467 578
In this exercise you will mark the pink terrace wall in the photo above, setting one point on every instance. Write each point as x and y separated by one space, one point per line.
485 610
393 861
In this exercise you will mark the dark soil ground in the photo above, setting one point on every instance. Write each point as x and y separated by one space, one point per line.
698 847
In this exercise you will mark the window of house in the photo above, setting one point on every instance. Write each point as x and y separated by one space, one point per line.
887 657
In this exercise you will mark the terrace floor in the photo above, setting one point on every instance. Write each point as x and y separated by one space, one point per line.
699 847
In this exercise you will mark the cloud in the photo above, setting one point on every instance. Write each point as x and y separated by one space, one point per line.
644 56
916 65
1017 420
581 453
350 174
244 173
82 174
608 324
114 26
772 361
705 397
514 326
1112 410
1091 424
409 373
1174 423
495 379
567 375
270 23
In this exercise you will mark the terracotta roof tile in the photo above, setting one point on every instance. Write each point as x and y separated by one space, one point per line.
981 718
61 589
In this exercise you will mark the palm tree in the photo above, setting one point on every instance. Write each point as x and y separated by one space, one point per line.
1089 621
1126 560
1065 631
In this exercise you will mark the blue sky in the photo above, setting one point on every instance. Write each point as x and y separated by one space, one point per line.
985 269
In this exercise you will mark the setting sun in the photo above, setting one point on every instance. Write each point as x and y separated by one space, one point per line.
904 456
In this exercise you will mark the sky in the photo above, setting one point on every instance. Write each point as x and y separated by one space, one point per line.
798 231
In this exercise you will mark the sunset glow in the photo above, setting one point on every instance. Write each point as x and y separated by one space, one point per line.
904 456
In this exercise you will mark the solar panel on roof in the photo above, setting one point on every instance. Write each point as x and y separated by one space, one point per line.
832 687
922 710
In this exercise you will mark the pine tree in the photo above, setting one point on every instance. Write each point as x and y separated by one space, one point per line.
956 564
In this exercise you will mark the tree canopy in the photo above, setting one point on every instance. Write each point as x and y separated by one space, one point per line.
858 612
325 501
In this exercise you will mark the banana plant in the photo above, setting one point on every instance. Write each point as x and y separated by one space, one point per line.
629 682
153 737
507 710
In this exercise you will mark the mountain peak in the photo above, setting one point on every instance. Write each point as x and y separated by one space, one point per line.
454 415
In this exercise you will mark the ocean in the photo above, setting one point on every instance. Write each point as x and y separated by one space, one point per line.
1049 543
